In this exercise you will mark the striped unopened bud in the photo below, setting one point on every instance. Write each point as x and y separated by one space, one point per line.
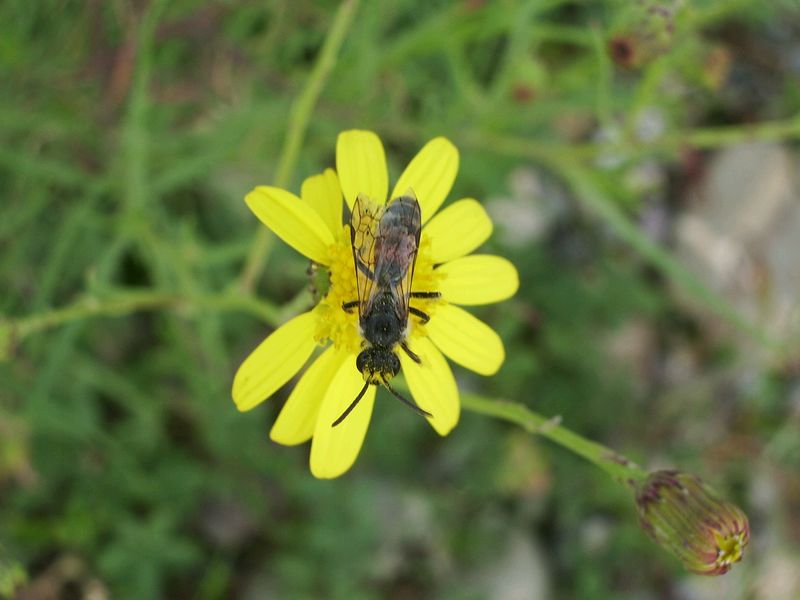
680 513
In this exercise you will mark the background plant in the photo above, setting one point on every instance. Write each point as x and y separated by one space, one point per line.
134 282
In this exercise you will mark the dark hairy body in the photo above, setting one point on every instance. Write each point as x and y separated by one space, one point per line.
385 243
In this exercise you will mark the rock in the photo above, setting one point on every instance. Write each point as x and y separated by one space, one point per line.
742 233
528 213
519 573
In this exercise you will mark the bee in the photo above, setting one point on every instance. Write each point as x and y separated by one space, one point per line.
385 240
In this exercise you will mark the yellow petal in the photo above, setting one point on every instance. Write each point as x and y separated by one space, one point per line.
361 164
334 449
274 362
292 220
295 424
430 174
323 193
466 340
432 384
478 279
457 230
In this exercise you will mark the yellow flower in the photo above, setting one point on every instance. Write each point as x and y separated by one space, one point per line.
312 225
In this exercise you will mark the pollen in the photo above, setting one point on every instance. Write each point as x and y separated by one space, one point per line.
730 549
339 327
334 324
426 279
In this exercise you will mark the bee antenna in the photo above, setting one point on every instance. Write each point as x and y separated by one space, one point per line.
350 408
412 405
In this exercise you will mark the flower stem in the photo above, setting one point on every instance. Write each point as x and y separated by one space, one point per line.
298 123
613 463
669 145
716 137
127 302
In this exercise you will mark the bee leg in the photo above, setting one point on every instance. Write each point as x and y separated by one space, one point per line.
349 306
412 405
411 355
425 294
423 317
365 269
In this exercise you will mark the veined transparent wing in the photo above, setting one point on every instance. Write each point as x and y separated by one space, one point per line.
364 222
396 245
385 240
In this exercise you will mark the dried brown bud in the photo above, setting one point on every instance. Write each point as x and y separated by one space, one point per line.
680 513
644 31
622 49
522 93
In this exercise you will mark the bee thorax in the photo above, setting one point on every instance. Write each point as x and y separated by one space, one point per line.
382 329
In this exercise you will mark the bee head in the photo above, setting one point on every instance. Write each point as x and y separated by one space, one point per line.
377 364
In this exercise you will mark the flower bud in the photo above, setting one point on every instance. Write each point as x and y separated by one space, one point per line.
680 513
645 30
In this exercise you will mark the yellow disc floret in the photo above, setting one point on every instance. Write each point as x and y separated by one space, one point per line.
334 324
426 279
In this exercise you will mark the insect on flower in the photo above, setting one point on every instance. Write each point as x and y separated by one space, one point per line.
392 282
385 240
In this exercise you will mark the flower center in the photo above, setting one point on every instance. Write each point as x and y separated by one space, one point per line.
339 327
729 549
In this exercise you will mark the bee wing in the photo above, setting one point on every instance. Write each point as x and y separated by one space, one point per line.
396 246
364 225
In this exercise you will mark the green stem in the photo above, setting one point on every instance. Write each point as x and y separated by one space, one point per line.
714 137
131 301
298 123
134 142
613 463
670 144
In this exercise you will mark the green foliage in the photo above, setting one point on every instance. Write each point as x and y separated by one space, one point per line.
130 134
